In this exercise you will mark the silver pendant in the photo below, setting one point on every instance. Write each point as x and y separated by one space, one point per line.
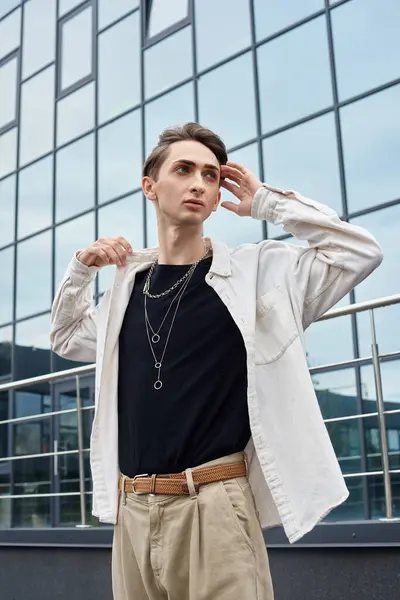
158 385
155 338
157 365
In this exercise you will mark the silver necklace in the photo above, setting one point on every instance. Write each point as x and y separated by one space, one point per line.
158 363
189 272
155 338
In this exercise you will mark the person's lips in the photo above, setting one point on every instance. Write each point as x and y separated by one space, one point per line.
194 202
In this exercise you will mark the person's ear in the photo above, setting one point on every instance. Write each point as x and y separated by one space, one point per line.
148 188
217 201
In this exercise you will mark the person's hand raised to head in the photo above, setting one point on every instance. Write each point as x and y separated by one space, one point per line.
106 251
243 184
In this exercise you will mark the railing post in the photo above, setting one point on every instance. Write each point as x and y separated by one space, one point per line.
381 419
80 453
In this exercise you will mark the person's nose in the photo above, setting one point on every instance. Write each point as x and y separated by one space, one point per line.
197 184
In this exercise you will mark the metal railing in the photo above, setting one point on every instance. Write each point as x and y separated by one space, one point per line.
78 372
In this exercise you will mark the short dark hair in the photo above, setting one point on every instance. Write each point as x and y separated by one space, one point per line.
188 131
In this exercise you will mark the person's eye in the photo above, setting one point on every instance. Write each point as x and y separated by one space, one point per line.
182 169
212 175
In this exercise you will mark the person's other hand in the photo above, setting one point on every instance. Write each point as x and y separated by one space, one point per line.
106 251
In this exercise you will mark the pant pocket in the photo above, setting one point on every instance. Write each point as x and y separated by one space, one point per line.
236 504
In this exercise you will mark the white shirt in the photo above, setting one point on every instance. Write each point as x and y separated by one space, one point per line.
273 291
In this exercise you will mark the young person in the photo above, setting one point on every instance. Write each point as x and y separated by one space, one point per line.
206 425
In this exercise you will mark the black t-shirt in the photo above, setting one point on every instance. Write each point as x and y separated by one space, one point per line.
200 413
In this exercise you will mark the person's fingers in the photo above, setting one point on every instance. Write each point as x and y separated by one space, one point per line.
112 254
231 173
102 258
124 243
231 187
231 206
236 166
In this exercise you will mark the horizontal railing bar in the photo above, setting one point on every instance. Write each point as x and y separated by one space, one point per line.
44 415
341 364
360 307
43 454
14 496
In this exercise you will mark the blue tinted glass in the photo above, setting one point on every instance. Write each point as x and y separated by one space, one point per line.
75 178
321 341
274 15
119 68
7 284
76 48
6 336
226 226
34 275
366 42
110 10
164 15
336 392
38 46
8 152
222 29
7 5
70 237
32 339
175 55
75 114
294 75
305 159
10 28
120 157
371 146
222 108
7 210
174 108
35 197
8 92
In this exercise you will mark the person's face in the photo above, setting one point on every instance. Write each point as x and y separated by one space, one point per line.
187 186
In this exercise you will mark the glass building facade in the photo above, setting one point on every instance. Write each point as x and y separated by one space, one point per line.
305 93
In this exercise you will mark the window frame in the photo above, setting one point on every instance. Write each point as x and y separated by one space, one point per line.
146 6
60 92
15 54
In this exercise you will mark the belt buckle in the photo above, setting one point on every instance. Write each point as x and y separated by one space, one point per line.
133 484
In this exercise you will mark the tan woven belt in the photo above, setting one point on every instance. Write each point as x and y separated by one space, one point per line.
176 484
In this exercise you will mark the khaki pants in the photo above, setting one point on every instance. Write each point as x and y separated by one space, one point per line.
207 546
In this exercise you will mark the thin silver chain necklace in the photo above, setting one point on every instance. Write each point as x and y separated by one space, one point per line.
159 363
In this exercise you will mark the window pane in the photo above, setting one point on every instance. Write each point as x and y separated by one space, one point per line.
120 157
34 275
222 108
8 92
7 5
35 197
32 475
301 58
6 336
161 17
221 30
122 218
273 15
10 28
174 108
70 237
76 48
37 116
119 68
7 210
376 33
336 392
32 352
110 11
39 35
8 152
175 55
227 226
75 178
371 146
75 114
322 341
67 5
32 400
354 507
304 158
7 284
386 333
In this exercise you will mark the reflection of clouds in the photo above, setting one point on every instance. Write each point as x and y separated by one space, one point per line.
39 35
274 15
120 156
169 52
70 237
8 92
110 11
8 152
225 108
227 226
294 75
9 32
75 114
162 17
376 33
122 218
34 332
75 178
76 48
221 30
34 275
7 210
7 282
169 110
305 159
35 197
371 145
329 341
119 54
37 116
